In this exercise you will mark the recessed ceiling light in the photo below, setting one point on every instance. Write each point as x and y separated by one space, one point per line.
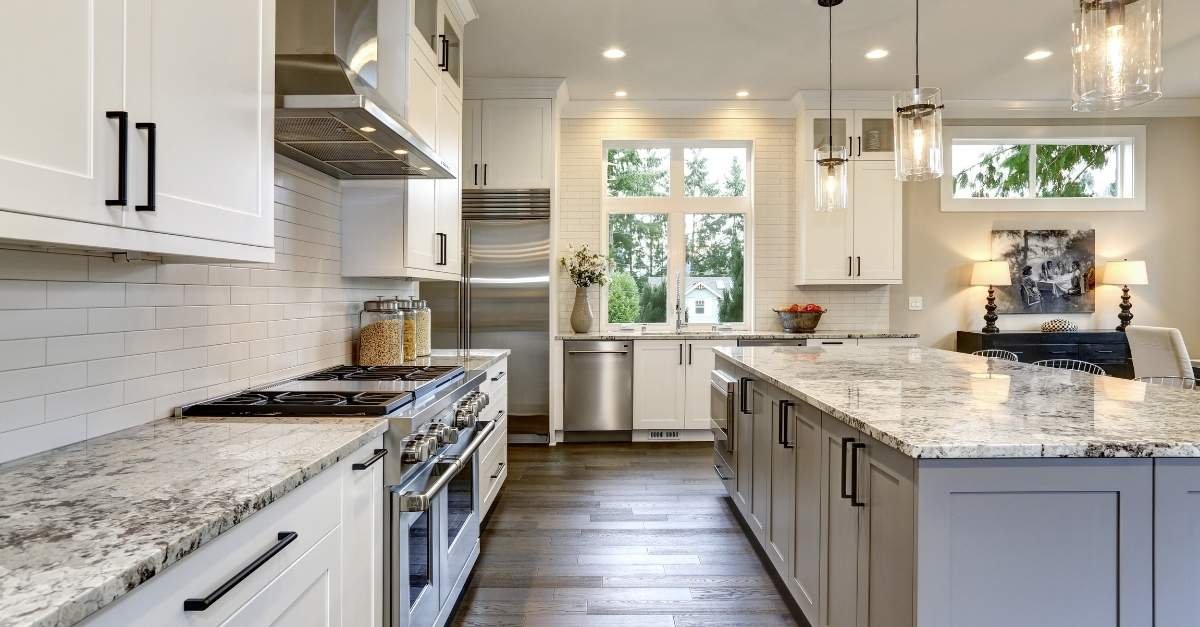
620 93
1038 55
614 53
367 129
400 151
424 168
877 53
742 94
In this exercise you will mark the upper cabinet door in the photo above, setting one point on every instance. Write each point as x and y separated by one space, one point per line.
826 240
516 144
64 66
210 70
422 96
449 191
472 143
816 130
877 199
425 15
875 136
450 38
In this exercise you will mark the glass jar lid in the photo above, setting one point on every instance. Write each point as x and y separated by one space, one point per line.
405 305
419 304
381 304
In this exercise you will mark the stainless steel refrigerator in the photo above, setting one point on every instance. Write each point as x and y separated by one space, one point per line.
503 300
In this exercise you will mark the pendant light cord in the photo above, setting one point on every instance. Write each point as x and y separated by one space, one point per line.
831 80
917 47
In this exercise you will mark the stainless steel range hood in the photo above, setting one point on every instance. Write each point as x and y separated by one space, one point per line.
329 113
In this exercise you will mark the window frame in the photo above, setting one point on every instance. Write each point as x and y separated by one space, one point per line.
676 205
1132 138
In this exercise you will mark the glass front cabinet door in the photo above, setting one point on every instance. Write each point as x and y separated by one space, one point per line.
817 122
874 137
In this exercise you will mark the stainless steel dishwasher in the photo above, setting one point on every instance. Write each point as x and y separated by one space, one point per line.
597 391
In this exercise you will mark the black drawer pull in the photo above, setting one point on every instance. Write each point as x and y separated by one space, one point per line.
379 453
719 475
854 448
744 395
845 443
499 470
199 605
151 168
499 376
122 198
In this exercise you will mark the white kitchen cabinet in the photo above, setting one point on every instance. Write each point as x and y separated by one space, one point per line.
816 132
868 135
195 112
700 361
861 244
451 40
333 562
449 191
509 144
362 537
660 379
424 92
211 149
424 26
59 154
493 470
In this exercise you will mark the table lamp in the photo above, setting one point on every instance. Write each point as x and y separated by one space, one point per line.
1125 273
991 274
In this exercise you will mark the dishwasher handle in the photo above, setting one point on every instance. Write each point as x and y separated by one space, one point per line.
571 352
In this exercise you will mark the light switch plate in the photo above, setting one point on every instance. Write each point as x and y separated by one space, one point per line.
916 303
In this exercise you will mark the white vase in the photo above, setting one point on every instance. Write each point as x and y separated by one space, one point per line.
581 315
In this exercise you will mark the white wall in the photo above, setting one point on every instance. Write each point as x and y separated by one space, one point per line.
939 248
89 346
581 169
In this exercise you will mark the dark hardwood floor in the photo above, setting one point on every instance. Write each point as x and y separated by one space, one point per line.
626 534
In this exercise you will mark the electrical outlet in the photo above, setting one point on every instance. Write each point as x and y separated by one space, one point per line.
916 303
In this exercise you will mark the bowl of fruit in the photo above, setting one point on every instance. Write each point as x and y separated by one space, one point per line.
800 318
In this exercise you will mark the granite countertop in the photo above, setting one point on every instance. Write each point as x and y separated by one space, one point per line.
702 334
929 403
82 525
477 359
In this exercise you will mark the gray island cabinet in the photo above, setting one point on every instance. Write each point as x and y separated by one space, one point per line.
900 487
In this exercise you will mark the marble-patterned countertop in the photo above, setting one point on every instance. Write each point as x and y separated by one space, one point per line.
477 359
929 403
699 333
82 525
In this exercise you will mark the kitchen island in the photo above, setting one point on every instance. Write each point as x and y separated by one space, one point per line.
909 486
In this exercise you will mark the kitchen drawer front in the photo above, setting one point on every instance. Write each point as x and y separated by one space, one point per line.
312 511
499 437
1029 353
494 467
497 403
1104 353
497 378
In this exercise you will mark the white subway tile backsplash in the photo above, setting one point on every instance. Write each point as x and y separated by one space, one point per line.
84 400
22 294
81 294
63 350
89 345
30 323
16 354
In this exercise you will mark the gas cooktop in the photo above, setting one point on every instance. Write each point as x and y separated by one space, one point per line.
337 391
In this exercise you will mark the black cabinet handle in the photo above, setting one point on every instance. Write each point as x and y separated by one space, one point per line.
860 145
151 167
379 453
122 198
499 470
199 605
442 254
485 174
689 354
719 475
854 449
476 174
499 376
828 343
744 394
849 266
445 63
681 354
846 442
859 266
785 437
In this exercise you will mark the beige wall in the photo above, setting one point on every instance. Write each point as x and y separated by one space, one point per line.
580 189
939 247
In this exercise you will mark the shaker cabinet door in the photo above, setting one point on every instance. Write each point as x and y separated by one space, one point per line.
804 579
659 381
64 67
878 231
839 527
517 149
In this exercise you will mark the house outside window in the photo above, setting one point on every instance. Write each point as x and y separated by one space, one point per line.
678 214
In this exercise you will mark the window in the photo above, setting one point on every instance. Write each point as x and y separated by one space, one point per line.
677 214
1045 168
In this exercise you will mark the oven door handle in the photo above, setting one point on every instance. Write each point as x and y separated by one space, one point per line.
420 501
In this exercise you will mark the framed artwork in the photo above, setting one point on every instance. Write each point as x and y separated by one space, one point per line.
1053 271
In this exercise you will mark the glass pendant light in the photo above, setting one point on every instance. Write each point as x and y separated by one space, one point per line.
1117 54
918 123
831 162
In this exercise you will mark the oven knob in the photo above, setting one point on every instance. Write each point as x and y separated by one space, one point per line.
464 418
484 400
443 433
416 449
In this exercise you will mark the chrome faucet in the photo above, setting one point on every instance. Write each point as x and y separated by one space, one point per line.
681 312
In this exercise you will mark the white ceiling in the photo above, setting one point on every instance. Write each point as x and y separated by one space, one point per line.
709 49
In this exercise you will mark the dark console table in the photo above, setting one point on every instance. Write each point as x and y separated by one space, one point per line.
1107 349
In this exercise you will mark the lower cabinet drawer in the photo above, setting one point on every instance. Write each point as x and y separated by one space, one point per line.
1029 353
1104 353
493 470
497 379
312 512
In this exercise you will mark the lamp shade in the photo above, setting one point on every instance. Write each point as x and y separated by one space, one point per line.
1126 273
991 273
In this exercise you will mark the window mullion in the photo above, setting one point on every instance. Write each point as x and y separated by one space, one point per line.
1033 182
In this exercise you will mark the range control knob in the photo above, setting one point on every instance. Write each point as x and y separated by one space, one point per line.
442 433
417 448
464 418
483 399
